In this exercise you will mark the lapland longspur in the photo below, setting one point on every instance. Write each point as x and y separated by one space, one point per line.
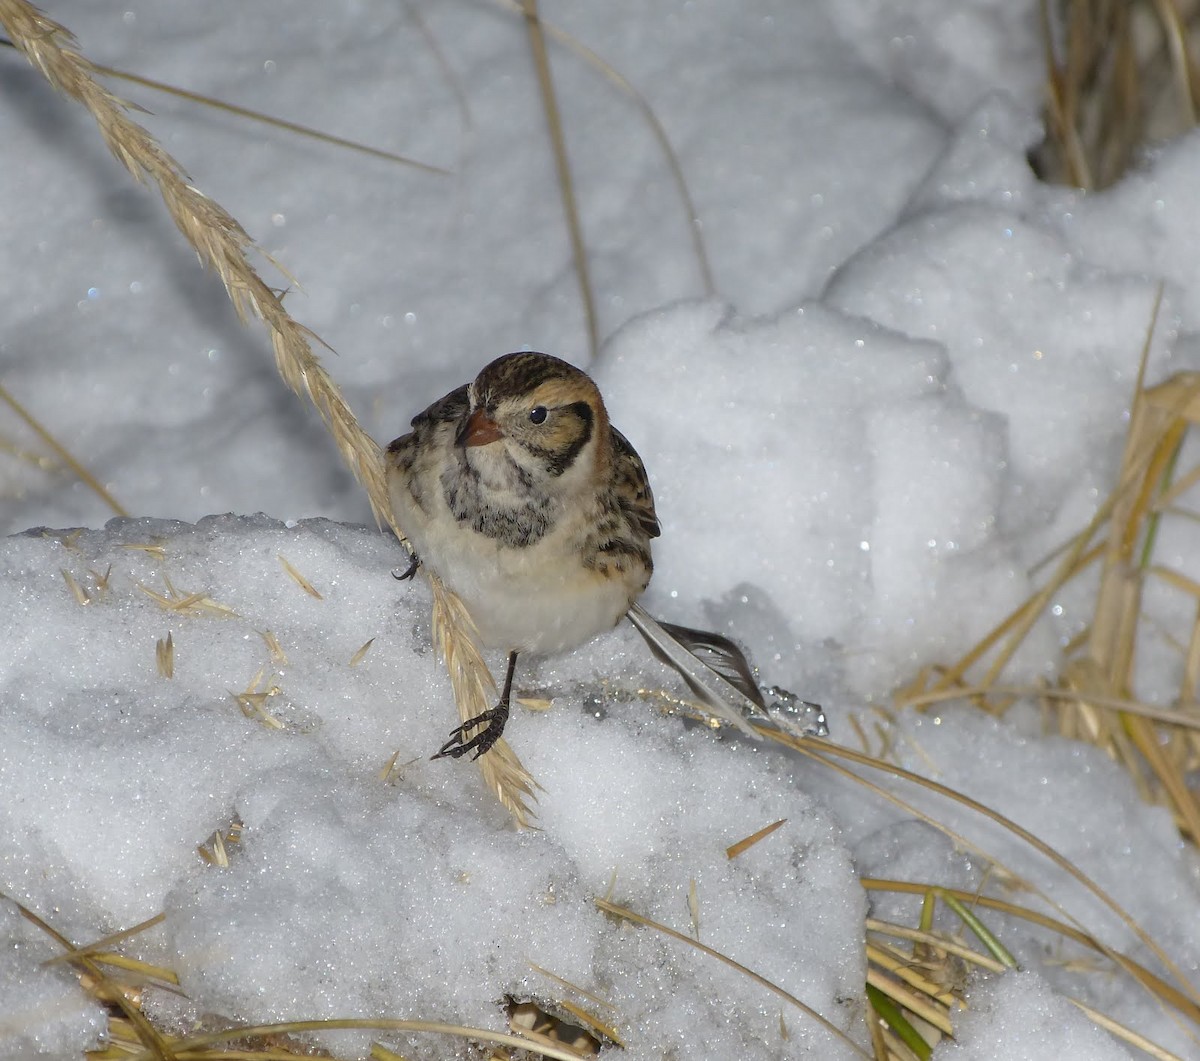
519 494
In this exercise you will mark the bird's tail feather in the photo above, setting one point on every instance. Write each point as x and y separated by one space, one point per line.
724 682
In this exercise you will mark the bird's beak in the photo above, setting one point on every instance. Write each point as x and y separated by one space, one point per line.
479 430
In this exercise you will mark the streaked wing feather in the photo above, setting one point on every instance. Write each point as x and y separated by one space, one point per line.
633 484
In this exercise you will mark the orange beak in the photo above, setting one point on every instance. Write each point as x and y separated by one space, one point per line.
479 430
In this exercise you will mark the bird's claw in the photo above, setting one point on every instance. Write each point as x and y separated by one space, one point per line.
482 742
414 562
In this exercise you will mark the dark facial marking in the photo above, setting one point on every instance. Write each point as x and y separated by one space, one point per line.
558 461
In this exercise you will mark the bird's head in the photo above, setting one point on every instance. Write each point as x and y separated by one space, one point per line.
542 413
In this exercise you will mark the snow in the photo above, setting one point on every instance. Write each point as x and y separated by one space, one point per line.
1017 1017
910 385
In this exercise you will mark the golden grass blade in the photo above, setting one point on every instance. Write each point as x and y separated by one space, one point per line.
733 850
1098 673
105 989
562 167
144 971
592 1022
77 591
878 1043
1127 1034
818 750
164 655
582 992
453 81
699 249
1017 624
361 653
298 578
1182 66
1061 110
266 119
474 689
1189 719
914 1001
61 451
902 969
1159 419
194 1045
108 941
933 939
40 461
1176 490
628 915
278 655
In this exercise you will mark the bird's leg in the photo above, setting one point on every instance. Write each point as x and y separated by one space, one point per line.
414 562
495 719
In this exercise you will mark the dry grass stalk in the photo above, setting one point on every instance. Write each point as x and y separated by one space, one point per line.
156 550
733 850
218 239
298 578
213 1046
254 703
696 229
61 451
562 167
276 123
625 914
26 456
894 1005
164 655
474 692
223 244
1135 1040
591 1021
278 656
1096 699
107 991
187 603
215 850
1118 75
77 591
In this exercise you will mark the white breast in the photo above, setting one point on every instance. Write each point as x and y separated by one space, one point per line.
540 598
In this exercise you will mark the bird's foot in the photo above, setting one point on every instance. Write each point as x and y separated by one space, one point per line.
414 562
458 745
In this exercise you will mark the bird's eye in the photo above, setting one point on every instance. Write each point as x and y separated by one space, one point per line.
538 414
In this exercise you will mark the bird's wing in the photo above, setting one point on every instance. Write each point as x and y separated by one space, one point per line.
633 484
449 407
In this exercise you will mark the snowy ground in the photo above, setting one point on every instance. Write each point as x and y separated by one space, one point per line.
910 386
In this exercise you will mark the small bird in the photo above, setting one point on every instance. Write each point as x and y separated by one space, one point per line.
517 492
